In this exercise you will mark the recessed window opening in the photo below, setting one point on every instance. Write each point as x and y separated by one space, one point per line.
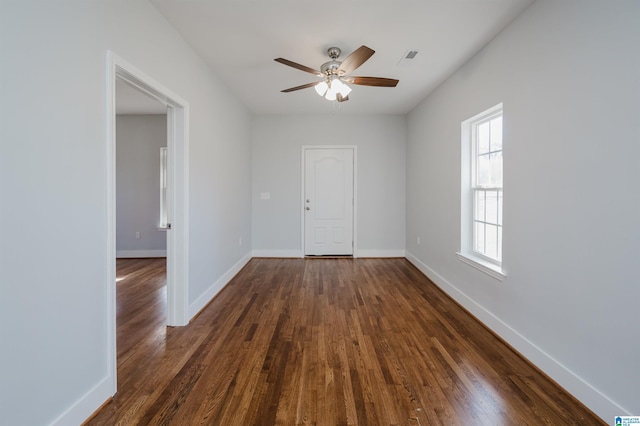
482 192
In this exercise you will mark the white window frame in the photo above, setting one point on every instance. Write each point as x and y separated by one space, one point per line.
467 253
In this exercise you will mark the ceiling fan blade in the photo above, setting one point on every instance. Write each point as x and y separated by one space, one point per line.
341 98
304 86
357 58
298 66
373 81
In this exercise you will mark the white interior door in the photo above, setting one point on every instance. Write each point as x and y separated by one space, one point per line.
328 201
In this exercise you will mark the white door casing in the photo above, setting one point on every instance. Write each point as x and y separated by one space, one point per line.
328 200
177 195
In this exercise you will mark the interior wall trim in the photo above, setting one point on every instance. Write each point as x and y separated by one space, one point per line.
86 405
208 295
595 400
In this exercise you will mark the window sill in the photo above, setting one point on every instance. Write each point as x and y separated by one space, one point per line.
488 268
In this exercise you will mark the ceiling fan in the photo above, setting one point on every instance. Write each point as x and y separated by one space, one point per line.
335 74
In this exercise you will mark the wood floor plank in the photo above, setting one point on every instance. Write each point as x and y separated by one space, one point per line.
320 342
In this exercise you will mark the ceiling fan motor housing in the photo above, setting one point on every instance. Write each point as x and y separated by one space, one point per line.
331 67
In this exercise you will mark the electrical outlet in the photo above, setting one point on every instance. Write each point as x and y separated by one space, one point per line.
240 241
418 240
137 235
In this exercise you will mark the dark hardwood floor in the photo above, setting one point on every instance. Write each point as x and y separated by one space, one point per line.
325 342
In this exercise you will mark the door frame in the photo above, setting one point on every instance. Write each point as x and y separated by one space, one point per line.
177 191
305 148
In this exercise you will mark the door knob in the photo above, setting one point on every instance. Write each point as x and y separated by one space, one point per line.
308 208
308 200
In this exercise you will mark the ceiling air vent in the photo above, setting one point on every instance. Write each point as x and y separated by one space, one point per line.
408 57
411 54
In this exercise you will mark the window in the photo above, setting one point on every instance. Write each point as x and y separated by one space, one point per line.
163 188
482 183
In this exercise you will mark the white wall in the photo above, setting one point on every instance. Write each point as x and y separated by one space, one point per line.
276 166
139 138
568 73
53 180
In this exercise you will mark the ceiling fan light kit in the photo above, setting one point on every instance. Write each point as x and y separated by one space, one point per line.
334 86
321 88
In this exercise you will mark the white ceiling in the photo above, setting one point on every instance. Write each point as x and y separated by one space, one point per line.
239 40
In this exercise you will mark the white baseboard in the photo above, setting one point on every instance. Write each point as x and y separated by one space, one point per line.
84 407
380 253
215 288
597 402
299 253
579 388
278 253
140 253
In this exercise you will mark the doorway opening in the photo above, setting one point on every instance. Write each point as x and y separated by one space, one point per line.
177 111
